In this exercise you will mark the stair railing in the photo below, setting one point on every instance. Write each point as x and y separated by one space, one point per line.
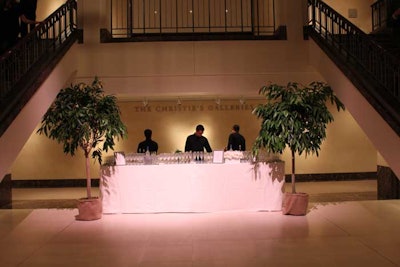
355 46
27 64
39 44
366 61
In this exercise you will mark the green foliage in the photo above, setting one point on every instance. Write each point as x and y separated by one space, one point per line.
82 116
295 116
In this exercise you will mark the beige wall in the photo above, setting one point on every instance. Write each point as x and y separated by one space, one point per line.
198 73
15 139
46 7
384 138
363 7
172 123
162 69
346 148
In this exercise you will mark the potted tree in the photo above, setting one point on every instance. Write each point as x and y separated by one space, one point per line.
82 116
294 116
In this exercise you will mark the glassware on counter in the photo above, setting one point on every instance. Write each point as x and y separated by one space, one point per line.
175 158
134 158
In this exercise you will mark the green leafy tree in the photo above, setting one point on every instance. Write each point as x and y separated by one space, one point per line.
82 116
294 116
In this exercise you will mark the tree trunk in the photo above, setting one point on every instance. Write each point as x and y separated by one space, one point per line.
88 180
293 174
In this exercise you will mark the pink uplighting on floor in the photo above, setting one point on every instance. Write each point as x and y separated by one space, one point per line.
362 233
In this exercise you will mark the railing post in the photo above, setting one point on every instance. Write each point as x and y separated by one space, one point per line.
71 16
225 18
111 17
160 14
241 15
129 18
273 14
193 10
258 19
252 17
176 16
144 16
313 12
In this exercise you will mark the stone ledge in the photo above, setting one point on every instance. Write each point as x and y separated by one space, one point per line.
319 177
53 183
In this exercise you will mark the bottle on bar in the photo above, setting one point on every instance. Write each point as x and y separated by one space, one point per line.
147 157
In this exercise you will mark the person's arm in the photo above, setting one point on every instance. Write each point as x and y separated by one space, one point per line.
187 145
207 145
28 21
244 144
230 141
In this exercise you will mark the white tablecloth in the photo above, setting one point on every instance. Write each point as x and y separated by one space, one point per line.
192 188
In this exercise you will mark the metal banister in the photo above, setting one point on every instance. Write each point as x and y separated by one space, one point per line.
378 67
29 56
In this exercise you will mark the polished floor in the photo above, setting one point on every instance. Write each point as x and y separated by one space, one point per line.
345 226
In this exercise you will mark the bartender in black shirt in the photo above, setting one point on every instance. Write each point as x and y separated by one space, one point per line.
148 144
196 141
236 141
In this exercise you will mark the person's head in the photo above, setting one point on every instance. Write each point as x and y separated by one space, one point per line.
148 133
199 130
236 128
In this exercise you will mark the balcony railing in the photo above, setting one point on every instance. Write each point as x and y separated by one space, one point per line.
134 18
355 48
21 65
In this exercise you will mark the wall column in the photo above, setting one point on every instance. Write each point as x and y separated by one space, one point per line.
5 191
388 184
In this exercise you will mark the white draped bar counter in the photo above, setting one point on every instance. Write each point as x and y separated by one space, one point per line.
192 188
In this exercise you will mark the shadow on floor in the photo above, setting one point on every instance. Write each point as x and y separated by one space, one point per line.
71 203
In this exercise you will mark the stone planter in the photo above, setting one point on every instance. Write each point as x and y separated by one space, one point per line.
295 204
89 209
